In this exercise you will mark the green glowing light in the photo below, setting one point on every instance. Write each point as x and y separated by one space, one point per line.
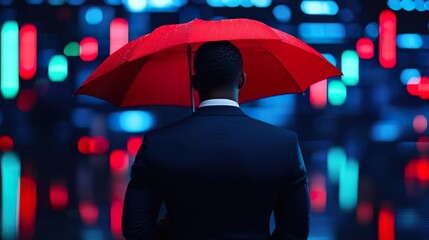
337 92
336 161
349 180
72 49
10 174
58 68
9 60
56 2
350 67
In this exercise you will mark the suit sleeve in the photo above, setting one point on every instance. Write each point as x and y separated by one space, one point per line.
142 199
292 208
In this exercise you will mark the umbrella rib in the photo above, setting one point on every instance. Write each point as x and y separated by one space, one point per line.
144 60
320 56
287 72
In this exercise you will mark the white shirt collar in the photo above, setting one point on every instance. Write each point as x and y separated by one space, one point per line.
218 102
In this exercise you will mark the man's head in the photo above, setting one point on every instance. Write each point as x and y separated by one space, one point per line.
218 69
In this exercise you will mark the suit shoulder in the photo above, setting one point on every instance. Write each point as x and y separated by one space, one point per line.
270 127
167 129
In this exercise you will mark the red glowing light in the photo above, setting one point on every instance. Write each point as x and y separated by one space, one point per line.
420 123
27 51
422 144
93 145
116 217
27 207
6 143
419 86
413 86
26 100
318 193
410 175
88 213
422 170
133 145
88 49
59 196
318 94
118 34
119 161
387 55
410 171
364 213
386 224
365 48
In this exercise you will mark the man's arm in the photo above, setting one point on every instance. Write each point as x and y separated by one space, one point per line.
142 199
292 209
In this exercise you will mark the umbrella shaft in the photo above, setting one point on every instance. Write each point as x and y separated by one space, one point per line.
190 78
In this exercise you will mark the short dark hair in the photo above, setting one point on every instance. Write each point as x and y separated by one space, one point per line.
217 64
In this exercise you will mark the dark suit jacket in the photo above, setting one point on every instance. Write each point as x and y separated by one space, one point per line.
220 173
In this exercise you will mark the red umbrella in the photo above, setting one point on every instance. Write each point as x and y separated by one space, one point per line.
155 69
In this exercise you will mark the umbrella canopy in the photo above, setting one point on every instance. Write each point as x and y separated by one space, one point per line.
155 68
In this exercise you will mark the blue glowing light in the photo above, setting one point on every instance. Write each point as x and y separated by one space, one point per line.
90 234
6 2
385 131
337 92
274 110
395 5
420 5
237 3
346 15
330 58
408 5
56 2
246 3
94 15
215 3
322 32
319 7
371 30
261 3
282 13
138 6
409 73
75 2
135 5
350 67
348 185
34 2
217 18
81 117
336 160
131 121
408 218
10 174
161 4
232 3
113 2
136 121
410 40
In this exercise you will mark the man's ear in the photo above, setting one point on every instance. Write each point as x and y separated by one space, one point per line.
242 80
195 82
